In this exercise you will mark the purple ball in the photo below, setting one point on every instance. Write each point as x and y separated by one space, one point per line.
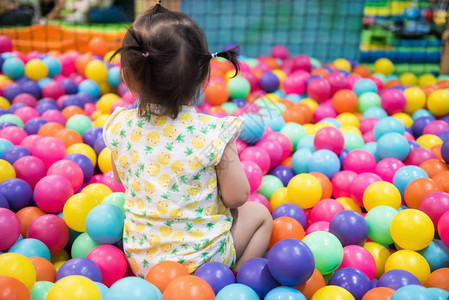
269 82
80 266
85 164
3 202
354 281
349 227
11 91
91 135
444 135
72 100
33 125
239 102
412 145
99 145
12 109
3 111
419 124
6 124
69 86
283 173
46 104
17 192
85 98
216 274
32 88
394 279
445 151
290 210
255 274
14 153
342 155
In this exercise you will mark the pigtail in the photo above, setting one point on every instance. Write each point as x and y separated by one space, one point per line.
232 56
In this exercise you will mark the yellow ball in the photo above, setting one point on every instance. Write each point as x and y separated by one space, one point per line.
280 74
310 103
83 149
35 70
272 98
438 103
6 170
348 119
404 118
429 140
229 75
60 256
104 160
59 264
342 64
304 190
332 292
108 56
410 261
3 78
383 66
97 190
76 210
381 193
309 128
105 88
321 125
411 229
380 255
350 128
74 287
105 102
96 71
349 204
278 198
4 103
18 266
416 99
100 120
426 79
408 78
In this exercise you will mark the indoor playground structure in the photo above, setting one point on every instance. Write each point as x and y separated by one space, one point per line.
345 142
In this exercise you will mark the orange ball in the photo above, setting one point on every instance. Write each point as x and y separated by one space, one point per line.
307 113
392 83
326 184
437 150
27 215
69 137
50 129
345 101
429 89
272 63
443 84
433 166
54 53
216 93
98 46
379 293
418 189
285 228
293 114
287 103
224 65
443 179
362 71
45 271
82 61
164 272
439 279
216 109
313 284
188 288
72 110
287 162
320 71
13 289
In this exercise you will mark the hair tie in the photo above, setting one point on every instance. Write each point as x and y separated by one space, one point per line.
158 2
146 54
213 55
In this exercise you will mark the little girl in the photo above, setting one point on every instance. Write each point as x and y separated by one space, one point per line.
186 190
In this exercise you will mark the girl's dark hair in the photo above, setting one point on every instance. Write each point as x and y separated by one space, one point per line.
165 60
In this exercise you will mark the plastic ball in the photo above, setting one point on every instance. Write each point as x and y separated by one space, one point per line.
79 123
111 261
18 267
437 103
83 149
216 274
104 223
164 272
318 89
13 68
327 251
96 71
381 193
438 279
383 66
392 145
45 271
253 128
255 274
379 220
349 227
17 192
353 280
397 278
76 210
412 292
257 155
10 228
74 287
52 192
341 183
35 69
79 266
133 288
410 261
82 245
355 256
13 289
436 254
359 161
51 230
329 138
443 227
191 288
332 292
325 210
304 190
89 87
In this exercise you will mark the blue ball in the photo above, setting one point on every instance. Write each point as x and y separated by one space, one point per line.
386 125
18 193
216 274
290 210
306 143
33 125
32 88
239 102
422 113
342 155
104 224
70 87
349 227
31 247
253 128
412 292
103 289
72 100
133 288
89 87
85 164
91 135
46 104
11 91
419 124
375 112
371 147
353 280
237 291
440 294
284 293
405 175
325 162
436 254
300 161
85 98
3 202
14 153
396 278
53 65
255 274
43 82
283 173
114 76
99 144
12 109
363 86
4 144
269 82
392 145
13 68
80 266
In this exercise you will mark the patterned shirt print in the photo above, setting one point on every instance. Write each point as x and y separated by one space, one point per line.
173 208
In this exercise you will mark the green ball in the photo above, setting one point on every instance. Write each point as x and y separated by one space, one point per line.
229 107
353 141
279 108
238 87
315 62
79 123
443 77
117 199
82 245
270 184
327 251
367 100
263 103
379 221
12 119
252 62
295 133
40 290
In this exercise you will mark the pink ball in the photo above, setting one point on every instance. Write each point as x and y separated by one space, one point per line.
435 127
26 113
319 89
109 180
26 99
30 169
419 155
254 174
54 115
357 257
273 149
13 134
129 98
387 167
261 199
325 210
378 82
435 205
89 109
280 51
111 261
70 170
341 183
118 103
61 100
302 62
392 101
408 136
53 90
318 226
240 145
10 228
32 55
59 78
19 55
368 124
368 137
443 228
50 150
324 111
295 82
68 64
30 142
252 79
359 161
359 185
5 44
257 155
98 178
351 80
337 81
329 138
52 192
50 230
284 141
262 67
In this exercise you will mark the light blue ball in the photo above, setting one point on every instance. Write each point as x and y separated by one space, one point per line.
300 160
363 86
371 147
252 129
31 247
284 293
13 68
392 145
237 291
388 124
436 254
4 144
306 143
375 112
104 224
89 87
412 292
405 175
132 288
272 118
352 141
103 289
43 82
53 65
114 76
325 162
439 293
293 98
422 113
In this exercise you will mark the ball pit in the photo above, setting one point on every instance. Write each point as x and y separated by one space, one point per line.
351 164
